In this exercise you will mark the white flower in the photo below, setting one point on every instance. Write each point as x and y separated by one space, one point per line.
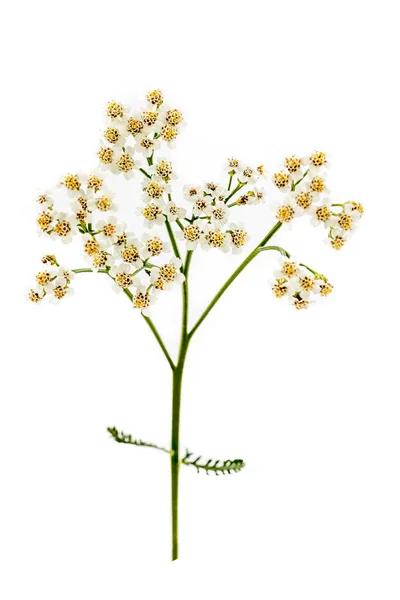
103 201
322 213
192 191
146 145
59 289
115 134
239 237
109 230
218 213
233 164
247 174
213 237
162 169
337 238
287 268
153 245
152 213
131 252
155 189
287 211
163 277
66 274
35 293
44 199
214 189
122 275
317 162
191 234
65 226
142 299
175 212
116 111
125 163
256 195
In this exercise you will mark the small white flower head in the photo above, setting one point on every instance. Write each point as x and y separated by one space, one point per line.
239 237
213 189
152 213
45 200
337 238
115 134
317 184
100 260
303 198
66 274
146 145
142 299
172 117
125 163
218 213
122 275
348 218
155 189
36 293
233 165
94 182
286 268
162 169
153 245
192 191
213 237
103 202
288 210
109 230
248 174
106 156
256 195
293 165
130 252
323 287
317 162
155 98
135 125
116 111
322 213
191 234
175 212
282 180
92 244
65 226
59 290
163 277
45 222
44 278
72 183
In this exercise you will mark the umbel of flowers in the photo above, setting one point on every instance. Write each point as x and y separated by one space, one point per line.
144 265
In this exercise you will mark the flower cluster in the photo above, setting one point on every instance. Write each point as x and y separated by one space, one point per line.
297 281
146 264
303 180
53 281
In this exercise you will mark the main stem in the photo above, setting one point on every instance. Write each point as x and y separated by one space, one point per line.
177 374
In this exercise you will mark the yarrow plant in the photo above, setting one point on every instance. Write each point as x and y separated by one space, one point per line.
143 266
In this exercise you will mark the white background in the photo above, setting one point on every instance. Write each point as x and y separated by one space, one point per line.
309 400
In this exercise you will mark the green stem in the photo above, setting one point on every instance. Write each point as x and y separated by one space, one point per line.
172 238
232 278
145 172
236 189
176 408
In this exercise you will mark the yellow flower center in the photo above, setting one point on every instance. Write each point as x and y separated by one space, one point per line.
168 133
130 254
192 233
71 182
91 247
239 237
317 184
155 97
168 272
289 269
114 110
122 279
94 183
323 213
141 300
155 190
125 163
292 163
135 126
304 199
111 134
216 238
155 246
43 278
149 117
104 203
151 211
285 214
44 220
62 228
105 155
281 179
345 222
173 117
318 159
